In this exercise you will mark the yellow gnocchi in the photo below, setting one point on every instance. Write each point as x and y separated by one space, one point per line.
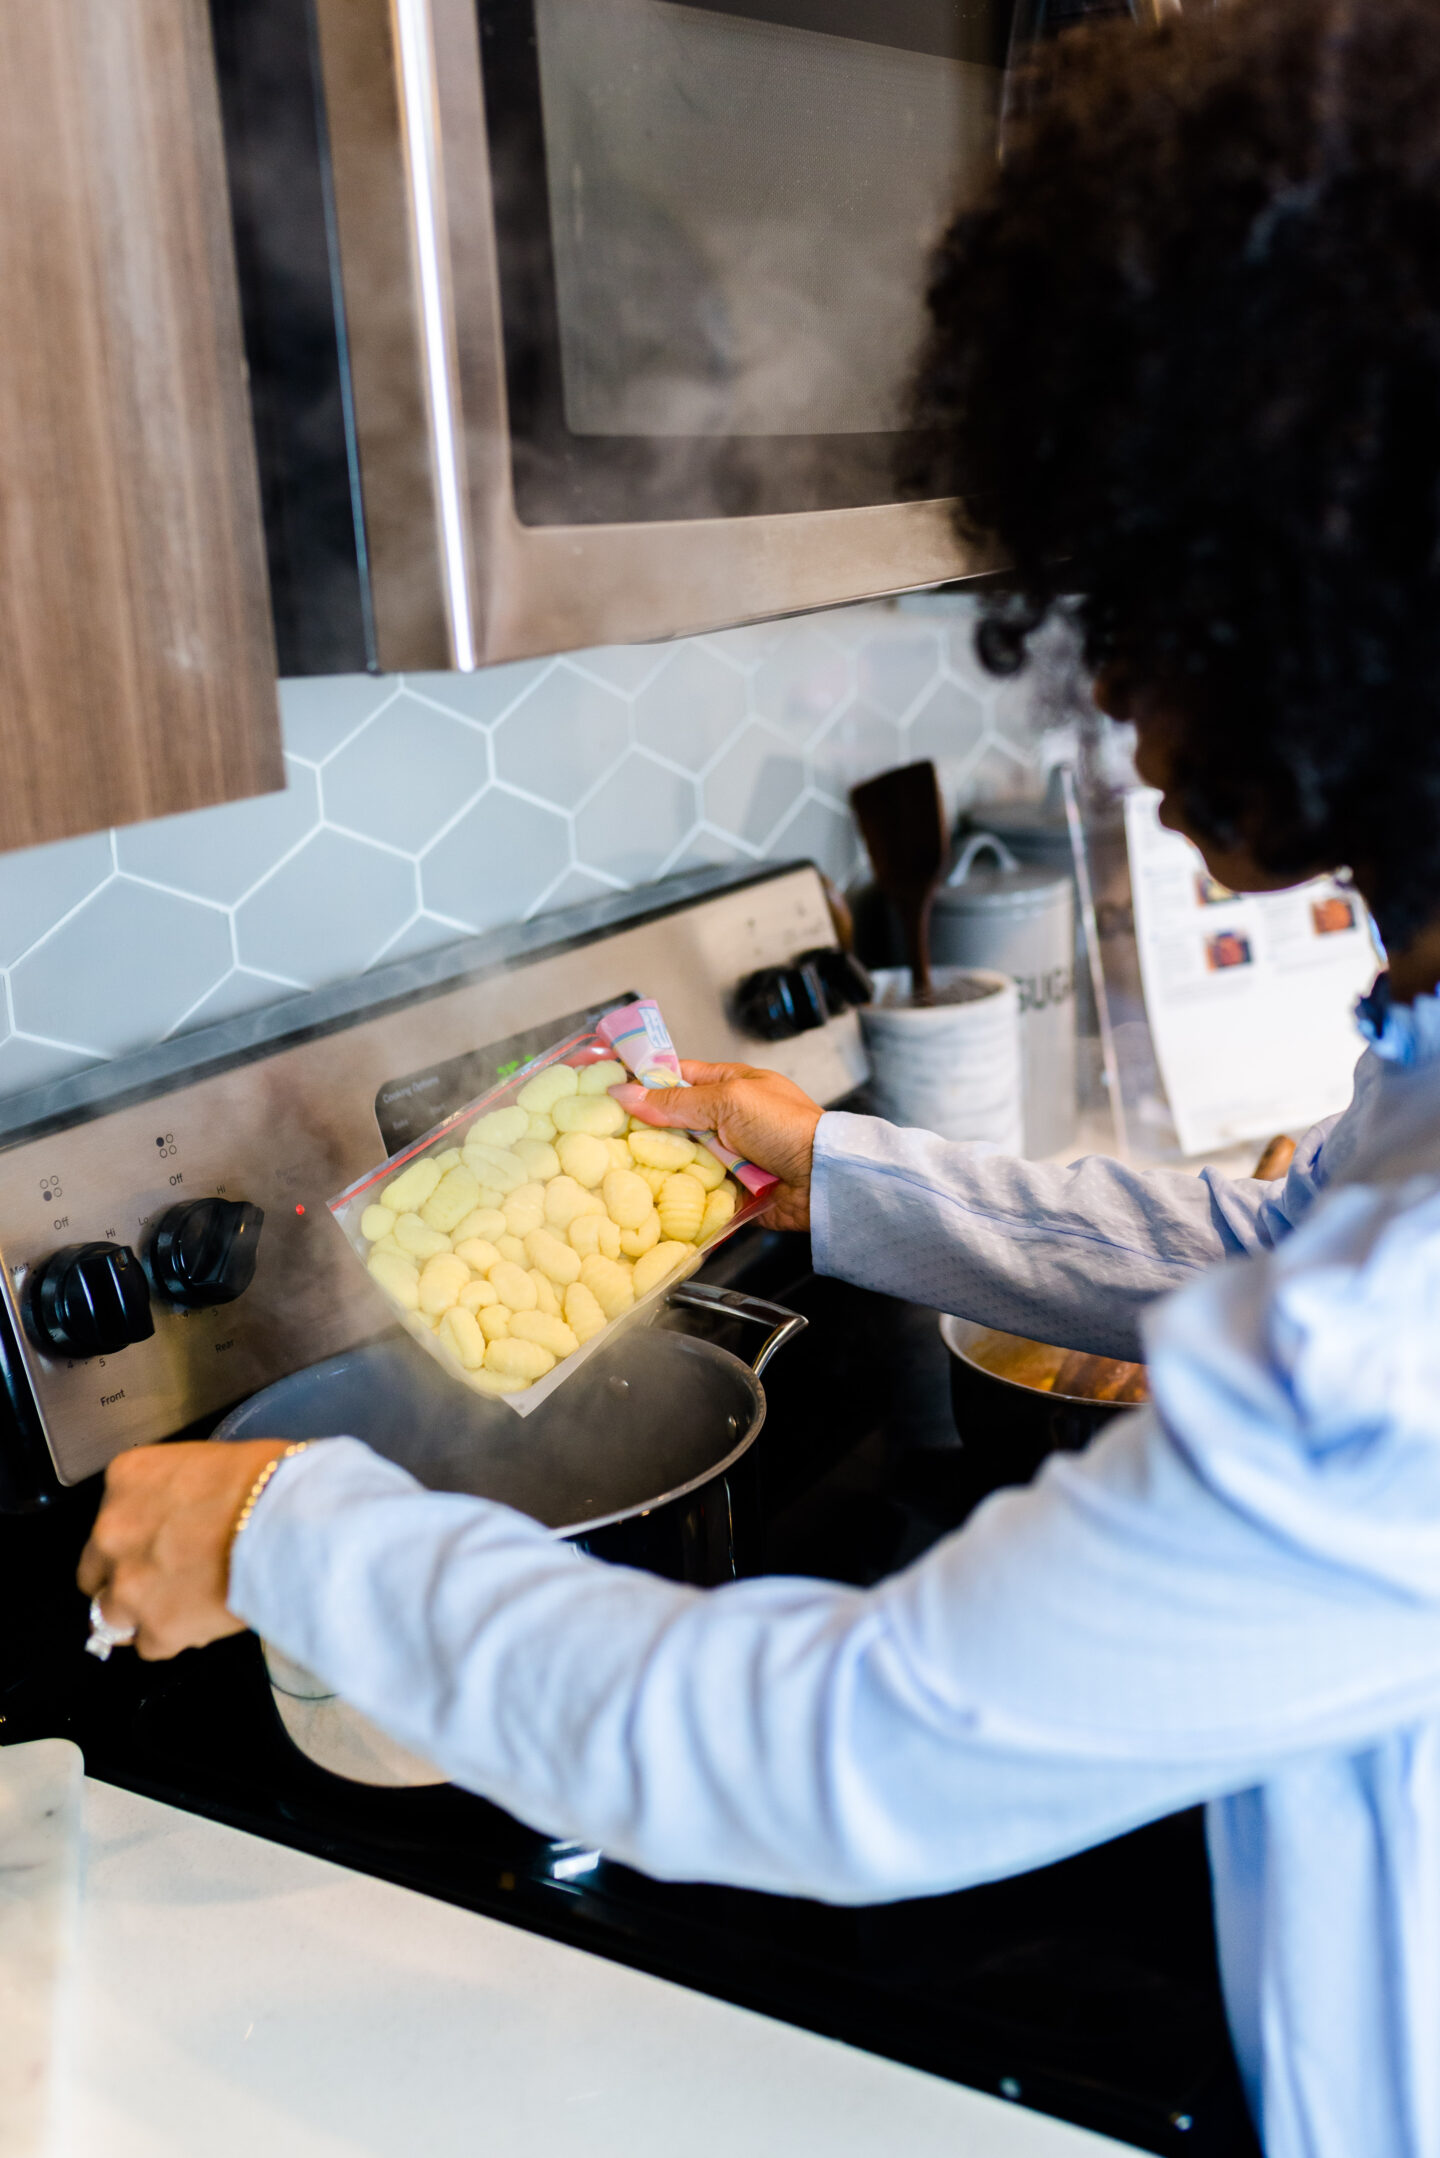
486 1221
565 1200
501 1128
514 1358
459 1332
539 1095
553 1256
584 1157
441 1283
456 1195
545 1296
719 1208
539 1157
407 1193
609 1282
681 1207
660 1149
548 1329
595 1113
524 1210
599 1078
656 1264
583 1314
634 1243
706 1168
590 1233
627 1198
559 1212
398 1276
417 1237
495 1166
512 1284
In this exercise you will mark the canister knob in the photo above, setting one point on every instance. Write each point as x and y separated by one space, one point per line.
92 1300
203 1252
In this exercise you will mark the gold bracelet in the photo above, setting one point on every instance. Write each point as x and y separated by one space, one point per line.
253 1495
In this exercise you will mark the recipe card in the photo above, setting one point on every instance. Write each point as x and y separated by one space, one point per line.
1250 997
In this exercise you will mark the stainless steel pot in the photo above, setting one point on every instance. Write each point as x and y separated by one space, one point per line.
641 1458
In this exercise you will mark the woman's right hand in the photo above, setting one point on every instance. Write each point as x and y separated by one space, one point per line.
757 1114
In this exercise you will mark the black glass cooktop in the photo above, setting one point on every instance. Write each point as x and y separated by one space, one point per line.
1087 1989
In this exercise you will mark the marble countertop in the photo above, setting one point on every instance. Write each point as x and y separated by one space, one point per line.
232 1997
40 1806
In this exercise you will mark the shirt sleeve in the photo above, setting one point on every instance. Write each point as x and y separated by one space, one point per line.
1080 1657
1069 1254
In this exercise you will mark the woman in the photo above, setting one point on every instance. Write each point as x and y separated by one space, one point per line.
1186 362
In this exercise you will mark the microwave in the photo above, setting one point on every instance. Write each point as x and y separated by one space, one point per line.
591 321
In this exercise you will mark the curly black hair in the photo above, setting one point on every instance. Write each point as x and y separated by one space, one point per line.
1185 366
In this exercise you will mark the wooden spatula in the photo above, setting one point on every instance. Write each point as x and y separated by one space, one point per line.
902 822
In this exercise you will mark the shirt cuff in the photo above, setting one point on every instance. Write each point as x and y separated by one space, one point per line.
828 1162
307 1490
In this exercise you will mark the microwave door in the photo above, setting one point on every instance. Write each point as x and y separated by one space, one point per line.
666 267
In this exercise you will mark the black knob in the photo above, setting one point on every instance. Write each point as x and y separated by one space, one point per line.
843 981
92 1300
780 1001
204 1251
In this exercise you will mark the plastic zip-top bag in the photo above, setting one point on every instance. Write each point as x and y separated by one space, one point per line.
534 1223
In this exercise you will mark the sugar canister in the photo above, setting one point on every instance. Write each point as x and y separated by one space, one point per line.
1020 921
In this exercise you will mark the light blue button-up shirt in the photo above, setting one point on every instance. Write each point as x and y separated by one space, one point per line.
1232 1597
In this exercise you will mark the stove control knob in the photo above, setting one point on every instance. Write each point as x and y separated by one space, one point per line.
842 978
779 1002
204 1251
91 1300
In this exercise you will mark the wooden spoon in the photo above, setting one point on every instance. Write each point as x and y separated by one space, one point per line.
902 822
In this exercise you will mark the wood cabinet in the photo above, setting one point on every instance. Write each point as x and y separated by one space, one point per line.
137 665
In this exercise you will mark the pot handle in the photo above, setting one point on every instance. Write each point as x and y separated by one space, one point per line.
783 1324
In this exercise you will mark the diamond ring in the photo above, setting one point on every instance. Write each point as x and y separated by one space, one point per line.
104 1636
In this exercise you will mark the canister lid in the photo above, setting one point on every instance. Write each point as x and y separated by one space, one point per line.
987 891
1002 886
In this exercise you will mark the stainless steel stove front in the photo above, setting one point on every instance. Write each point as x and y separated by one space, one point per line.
280 1111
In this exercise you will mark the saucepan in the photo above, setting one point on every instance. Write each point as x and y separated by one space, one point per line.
641 1458
1016 1402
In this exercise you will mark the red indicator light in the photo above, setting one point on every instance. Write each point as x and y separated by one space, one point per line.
299 1209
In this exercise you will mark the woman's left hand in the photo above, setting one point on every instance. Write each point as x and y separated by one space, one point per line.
158 1558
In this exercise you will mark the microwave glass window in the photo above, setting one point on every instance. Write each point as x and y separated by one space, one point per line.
741 215
713 228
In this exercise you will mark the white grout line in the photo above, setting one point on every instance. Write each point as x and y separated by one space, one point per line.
450 823
361 724
266 874
77 1049
68 916
174 891
502 713
365 839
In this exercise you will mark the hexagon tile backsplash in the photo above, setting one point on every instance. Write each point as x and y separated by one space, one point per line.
424 807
